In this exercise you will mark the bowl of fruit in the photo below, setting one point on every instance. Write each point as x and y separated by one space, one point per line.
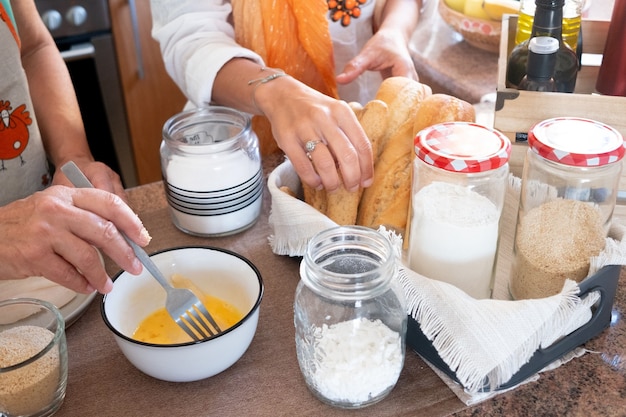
478 21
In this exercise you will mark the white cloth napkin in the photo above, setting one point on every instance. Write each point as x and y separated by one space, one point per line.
477 339
293 221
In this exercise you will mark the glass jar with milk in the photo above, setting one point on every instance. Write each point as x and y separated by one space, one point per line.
460 178
212 171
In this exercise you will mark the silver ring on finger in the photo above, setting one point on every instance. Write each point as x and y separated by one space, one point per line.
310 147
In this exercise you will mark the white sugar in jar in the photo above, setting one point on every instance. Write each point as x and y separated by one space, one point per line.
350 317
212 171
459 184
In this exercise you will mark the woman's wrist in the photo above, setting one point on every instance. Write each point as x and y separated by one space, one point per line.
266 96
268 75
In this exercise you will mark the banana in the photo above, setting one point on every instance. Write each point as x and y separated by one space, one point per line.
496 8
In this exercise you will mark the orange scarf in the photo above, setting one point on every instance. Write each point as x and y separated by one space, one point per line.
291 35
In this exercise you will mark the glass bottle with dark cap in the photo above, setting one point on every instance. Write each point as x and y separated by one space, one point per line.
540 65
547 22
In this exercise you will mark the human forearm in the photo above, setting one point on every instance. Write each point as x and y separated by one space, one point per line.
232 85
52 93
400 16
197 41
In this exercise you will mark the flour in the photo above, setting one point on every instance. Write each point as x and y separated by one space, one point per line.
454 237
355 360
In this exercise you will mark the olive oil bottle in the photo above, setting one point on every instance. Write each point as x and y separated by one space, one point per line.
548 21
540 65
572 12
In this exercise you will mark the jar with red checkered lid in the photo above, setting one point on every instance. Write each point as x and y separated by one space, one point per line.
569 190
458 188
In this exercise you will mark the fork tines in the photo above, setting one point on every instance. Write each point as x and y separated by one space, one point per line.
199 319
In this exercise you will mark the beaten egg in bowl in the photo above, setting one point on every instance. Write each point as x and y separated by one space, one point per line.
161 329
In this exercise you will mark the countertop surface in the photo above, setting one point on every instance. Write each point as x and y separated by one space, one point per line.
267 380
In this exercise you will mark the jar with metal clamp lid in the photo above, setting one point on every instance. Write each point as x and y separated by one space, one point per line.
350 317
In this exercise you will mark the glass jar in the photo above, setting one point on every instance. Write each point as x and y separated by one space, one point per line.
350 317
569 189
33 363
212 171
458 190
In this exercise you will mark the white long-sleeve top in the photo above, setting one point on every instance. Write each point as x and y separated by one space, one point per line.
197 38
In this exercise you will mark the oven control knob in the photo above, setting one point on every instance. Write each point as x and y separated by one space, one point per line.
52 19
76 15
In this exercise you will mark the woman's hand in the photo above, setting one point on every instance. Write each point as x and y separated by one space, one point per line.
54 233
299 114
100 175
386 52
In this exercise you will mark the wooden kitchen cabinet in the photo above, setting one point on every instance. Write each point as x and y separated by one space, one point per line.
150 95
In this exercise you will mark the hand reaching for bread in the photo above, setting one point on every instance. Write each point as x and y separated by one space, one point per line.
402 107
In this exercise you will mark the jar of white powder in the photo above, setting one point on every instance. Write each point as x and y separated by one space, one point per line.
569 189
212 171
350 317
458 190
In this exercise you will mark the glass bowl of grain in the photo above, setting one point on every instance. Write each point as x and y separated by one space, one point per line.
33 358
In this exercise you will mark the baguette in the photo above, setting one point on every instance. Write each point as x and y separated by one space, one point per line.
342 205
386 201
403 97
440 108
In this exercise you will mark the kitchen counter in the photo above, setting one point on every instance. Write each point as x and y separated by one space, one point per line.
267 381
447 63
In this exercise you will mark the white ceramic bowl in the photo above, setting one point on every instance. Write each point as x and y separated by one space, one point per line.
218 272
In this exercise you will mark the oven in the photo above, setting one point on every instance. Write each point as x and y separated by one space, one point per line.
82 32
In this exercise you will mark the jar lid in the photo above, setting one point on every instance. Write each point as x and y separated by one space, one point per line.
576 141
462 147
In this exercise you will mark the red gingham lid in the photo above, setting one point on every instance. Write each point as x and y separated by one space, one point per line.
576 141
462 147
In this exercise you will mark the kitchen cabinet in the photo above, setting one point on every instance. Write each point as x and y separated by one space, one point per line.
150 95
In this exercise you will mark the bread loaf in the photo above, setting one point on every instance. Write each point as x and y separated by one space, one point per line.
403 97
342 205
440 108
386 201
315 198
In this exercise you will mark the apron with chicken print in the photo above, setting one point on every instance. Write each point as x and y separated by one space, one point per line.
23 164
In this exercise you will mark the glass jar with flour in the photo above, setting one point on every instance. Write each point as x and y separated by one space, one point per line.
458 190
350 317
212 171
569 189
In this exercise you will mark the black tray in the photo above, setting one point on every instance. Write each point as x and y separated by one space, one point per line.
605 281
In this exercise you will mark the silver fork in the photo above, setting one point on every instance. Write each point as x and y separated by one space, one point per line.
182 304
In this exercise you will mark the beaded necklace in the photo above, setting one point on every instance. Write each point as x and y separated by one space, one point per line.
345 10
